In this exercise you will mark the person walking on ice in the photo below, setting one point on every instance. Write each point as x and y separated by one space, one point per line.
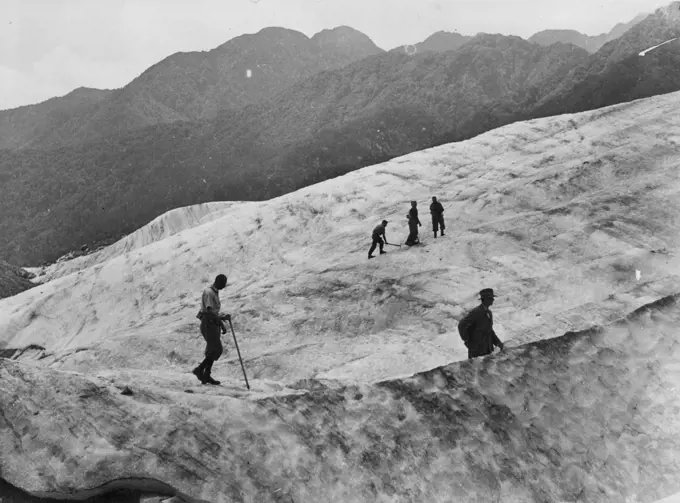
476 328
413 224
212 323
412 238
378 236
437 211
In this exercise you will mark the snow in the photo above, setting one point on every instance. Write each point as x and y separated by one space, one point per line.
643 53
559 240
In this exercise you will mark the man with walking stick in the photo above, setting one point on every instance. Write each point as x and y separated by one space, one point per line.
212 322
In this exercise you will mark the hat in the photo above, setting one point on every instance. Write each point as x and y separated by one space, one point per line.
486 292
384 222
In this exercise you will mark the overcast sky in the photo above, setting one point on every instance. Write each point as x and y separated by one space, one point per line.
50 47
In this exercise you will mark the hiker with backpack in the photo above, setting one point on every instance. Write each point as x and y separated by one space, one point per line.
437 212
212 323
413 224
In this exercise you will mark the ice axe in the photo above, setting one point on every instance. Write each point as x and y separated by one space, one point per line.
392 244
239 353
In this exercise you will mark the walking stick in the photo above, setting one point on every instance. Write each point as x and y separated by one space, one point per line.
239 354
392 244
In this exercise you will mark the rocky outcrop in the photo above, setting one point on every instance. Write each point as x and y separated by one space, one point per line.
110 493
13 280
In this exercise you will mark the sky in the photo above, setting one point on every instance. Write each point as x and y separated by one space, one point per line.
50 47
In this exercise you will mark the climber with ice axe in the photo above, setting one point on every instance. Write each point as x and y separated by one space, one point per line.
212 321
378 235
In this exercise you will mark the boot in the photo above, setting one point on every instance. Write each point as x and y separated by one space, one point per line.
435 234
198 372
382 252
210 380
207 379
371 256
442 232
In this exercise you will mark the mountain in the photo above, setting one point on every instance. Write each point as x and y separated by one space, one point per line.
617 73
656 28
345 44
359 387
632 78
324 126
622 28
24 125
81 97
443 41
440 41
589 43
189 86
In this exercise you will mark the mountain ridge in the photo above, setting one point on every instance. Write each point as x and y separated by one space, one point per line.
591 43
194 85
590 83
191 98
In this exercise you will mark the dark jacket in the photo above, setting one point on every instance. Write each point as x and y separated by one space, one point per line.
414 215
413 224
436 208
476 330
379 231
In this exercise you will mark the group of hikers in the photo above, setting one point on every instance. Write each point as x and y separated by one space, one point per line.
475 329
437 213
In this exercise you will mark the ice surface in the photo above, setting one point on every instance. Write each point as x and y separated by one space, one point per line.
556 214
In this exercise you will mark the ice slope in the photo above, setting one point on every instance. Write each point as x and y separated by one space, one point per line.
591 416
166 225
555 214
573 220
